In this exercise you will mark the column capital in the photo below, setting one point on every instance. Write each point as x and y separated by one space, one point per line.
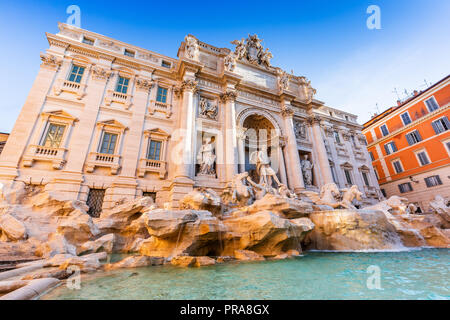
189 85
144 84
314 119
229 95
287 110
99 73
50 61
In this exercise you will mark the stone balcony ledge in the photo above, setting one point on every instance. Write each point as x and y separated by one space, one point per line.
69 86
41 153
114 96
156 106
148 165
96 159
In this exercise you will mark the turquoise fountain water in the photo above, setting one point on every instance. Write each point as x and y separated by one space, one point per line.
418 274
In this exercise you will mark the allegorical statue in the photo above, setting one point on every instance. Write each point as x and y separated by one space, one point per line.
307 167
240 50
264 170
191 47
206 157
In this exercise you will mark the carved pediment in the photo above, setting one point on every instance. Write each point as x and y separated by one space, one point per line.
59 114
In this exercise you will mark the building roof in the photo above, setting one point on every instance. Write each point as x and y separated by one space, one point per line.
391 109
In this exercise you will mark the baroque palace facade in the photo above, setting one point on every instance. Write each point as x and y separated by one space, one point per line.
106 120
410 146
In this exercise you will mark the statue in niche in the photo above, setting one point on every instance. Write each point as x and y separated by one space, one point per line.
307 167
191 47
206 157
207 109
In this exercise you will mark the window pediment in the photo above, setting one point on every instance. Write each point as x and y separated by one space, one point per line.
112 125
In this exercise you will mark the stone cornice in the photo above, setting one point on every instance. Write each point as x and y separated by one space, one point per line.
186 65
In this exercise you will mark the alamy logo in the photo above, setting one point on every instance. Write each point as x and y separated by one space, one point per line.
374 20
374 280
75 16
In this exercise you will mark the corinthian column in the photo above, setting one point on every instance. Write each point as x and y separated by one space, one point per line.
185 168
293 167
319 145
231 150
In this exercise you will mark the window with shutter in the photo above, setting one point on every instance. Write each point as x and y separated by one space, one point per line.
432 104
433 181
397 166
413 137
406 118
405 187
423 158
441 125
384 130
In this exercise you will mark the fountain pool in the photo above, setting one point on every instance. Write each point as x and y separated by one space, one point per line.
416 274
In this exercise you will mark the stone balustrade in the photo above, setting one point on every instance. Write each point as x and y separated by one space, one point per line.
41 153
148 165
156 106
69 86
96 159
118 97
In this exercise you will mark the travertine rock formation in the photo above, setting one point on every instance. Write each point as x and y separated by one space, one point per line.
352 230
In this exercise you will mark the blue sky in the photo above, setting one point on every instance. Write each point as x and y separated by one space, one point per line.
352 67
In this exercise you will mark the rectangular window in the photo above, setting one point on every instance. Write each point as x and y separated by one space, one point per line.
88 41
122 85
397 166
365 178
129 53
433 181
441 125
413 137
376 174
383 192
336 137
154 150
333 173
348 176
165 64
431 104
95 202
76 74
406 118
447 144
423 158
384 130
53 136
405 187
390 147
108 143
372 156
161 95
150 194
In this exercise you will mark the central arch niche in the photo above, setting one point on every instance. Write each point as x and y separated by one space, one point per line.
260 134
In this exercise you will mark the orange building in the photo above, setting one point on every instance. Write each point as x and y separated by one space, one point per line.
410 146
